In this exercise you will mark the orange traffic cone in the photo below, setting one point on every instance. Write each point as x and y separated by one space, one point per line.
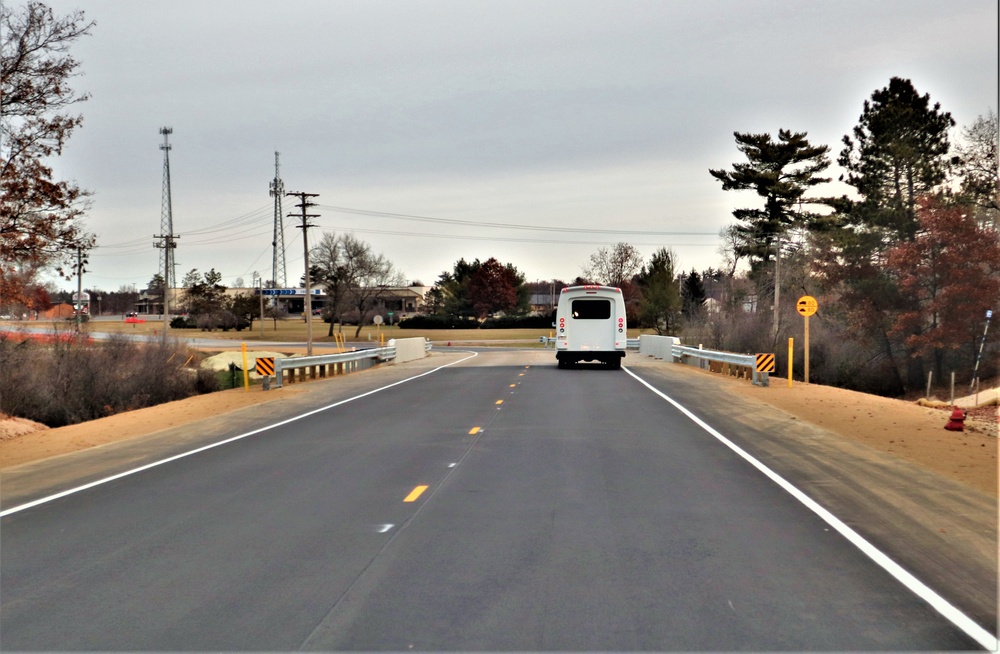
957 421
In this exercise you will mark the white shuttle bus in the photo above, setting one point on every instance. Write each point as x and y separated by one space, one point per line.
590 325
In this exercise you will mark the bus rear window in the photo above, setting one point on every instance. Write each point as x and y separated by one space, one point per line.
591 309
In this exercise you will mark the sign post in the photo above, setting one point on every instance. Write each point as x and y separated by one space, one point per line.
791 355
806 306
246 372
975 371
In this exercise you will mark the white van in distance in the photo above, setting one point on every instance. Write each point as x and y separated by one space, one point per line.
590 325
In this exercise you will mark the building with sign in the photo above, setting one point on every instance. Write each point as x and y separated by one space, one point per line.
395 303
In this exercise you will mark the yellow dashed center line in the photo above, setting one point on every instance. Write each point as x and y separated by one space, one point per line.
415 493
513 385
473 431
499 401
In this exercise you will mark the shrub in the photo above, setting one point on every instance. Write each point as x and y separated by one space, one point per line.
438 322
518 322
206 381
67 382
183 322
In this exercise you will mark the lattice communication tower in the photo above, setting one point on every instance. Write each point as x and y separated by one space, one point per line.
167 263
278 242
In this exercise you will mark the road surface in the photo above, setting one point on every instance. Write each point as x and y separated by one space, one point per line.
495 504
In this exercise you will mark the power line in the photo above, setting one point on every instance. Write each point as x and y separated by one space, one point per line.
257 215
507 239
495 225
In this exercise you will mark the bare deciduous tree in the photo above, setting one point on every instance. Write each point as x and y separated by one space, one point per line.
329 270
367 276
978 167
615 266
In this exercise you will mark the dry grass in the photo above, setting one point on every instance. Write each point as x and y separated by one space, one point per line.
295 331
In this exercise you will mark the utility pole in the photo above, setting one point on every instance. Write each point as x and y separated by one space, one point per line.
168 244
777 288
259 279
278 242
303 205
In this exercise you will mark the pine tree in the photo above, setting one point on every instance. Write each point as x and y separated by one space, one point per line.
660 304
779 171
899 151
692 295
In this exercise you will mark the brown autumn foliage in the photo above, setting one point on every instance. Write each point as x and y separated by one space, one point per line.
39 217
951 274
493 288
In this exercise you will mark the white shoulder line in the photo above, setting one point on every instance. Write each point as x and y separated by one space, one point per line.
99 482
941 605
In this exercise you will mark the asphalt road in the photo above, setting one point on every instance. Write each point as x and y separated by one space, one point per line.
497 504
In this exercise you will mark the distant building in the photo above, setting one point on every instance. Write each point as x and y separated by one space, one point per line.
544 296
402 301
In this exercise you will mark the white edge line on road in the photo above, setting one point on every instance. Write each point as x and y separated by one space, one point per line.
941 605
99 482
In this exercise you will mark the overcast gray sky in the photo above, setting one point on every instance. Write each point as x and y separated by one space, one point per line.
603 117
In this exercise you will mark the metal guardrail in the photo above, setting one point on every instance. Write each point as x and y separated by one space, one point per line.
683 354
346 361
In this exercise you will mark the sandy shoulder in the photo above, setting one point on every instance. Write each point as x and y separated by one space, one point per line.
902 429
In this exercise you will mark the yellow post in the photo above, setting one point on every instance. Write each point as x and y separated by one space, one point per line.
246 373
791 353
